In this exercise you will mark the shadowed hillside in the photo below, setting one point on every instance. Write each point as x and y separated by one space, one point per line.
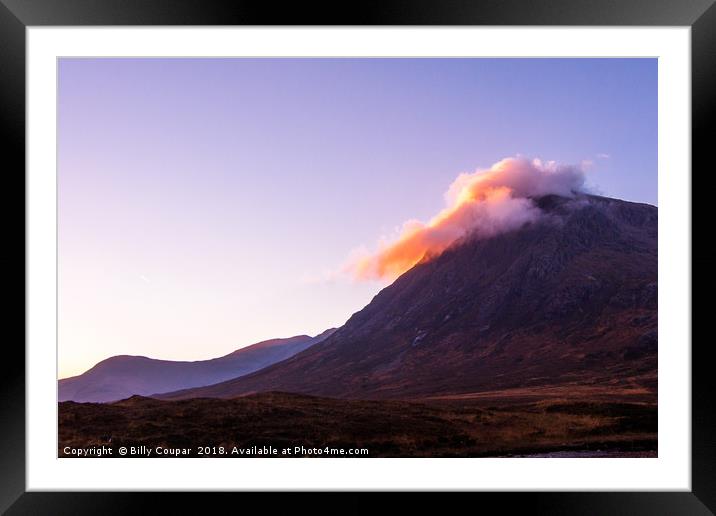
122 376
568 300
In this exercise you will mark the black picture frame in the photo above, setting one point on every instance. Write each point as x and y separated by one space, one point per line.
17 15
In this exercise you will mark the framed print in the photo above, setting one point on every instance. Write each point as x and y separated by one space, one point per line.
425 247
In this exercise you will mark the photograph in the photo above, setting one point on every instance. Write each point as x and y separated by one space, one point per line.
357 257
424 247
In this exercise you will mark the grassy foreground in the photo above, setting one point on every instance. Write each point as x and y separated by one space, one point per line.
258 424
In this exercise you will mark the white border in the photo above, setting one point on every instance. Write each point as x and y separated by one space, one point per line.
670 471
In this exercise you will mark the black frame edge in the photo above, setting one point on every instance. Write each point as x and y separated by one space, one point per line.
12 368
554 504
700 14
703 104
369 12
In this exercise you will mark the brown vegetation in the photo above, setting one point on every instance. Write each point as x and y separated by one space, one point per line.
436 428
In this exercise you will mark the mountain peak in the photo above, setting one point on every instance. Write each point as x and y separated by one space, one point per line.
571 295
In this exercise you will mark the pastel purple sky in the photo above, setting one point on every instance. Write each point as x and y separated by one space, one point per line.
205 203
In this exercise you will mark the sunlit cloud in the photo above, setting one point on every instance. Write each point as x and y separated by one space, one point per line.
480 204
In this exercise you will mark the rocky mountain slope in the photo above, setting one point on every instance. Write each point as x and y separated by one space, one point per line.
568 300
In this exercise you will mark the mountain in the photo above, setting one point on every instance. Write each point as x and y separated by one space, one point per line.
122 376
569 300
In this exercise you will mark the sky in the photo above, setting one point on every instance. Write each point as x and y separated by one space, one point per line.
208 204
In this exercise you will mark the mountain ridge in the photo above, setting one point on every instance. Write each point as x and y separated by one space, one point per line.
571 297
122 376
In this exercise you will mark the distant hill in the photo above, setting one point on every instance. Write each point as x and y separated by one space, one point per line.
122 376
570 299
